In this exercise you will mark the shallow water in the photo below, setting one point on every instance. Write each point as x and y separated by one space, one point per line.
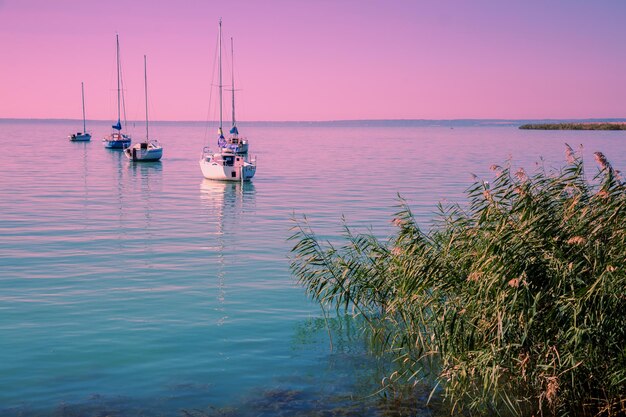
145 289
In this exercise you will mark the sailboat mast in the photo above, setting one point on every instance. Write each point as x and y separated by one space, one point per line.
220 73
232 57
117 42
82 91
145 76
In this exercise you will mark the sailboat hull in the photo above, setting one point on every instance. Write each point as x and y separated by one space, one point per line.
143 152
116 141
116 144
215 171
80 137
145 156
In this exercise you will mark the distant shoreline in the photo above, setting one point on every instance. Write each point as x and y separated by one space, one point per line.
574 126
347 123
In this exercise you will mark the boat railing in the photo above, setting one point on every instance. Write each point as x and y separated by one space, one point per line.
206 151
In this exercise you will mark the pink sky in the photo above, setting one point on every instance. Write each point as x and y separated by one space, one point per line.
318 59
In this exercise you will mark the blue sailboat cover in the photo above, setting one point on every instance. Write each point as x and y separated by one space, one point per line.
117 126
234 131
221 142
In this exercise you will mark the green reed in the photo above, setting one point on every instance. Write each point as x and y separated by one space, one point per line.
513 304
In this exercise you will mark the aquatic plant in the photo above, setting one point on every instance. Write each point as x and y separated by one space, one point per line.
575 126
514 303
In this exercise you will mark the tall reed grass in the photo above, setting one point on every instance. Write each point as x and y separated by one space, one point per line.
514 303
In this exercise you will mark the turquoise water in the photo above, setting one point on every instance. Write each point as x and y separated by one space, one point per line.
147 290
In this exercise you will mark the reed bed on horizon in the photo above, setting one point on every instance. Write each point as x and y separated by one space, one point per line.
514 304
575 126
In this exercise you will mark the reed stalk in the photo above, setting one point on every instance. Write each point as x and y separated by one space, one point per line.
513 304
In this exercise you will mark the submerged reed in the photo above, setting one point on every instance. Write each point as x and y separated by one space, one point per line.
514 304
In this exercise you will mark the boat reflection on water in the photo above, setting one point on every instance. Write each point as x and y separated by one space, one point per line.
227 204
145 188
85 212
148 180
227 200
146 169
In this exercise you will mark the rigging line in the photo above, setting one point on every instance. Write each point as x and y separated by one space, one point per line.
145 73
220 73
232 72
122 92
208 112
111 96
117 72
82 91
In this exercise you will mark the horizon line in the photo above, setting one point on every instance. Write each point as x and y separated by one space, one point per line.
328 120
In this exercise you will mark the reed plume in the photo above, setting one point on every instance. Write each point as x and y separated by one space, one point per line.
513 305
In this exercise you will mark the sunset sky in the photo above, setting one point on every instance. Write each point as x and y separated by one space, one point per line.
318 59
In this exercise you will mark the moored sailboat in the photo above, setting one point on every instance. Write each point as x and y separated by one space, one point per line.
83 136
148 150
117 139
231 161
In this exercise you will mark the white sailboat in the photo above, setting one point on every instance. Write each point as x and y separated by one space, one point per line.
83 136
230 162
148 150
117 140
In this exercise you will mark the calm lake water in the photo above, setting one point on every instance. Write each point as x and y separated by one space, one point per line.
129 289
